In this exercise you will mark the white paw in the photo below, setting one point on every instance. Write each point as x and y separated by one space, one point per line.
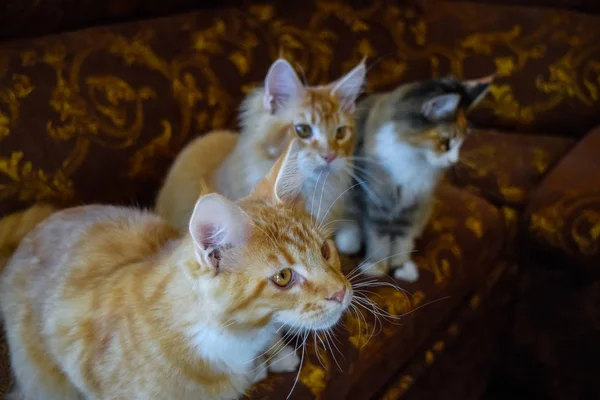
348 239
408 272
378 269
260 375
286 361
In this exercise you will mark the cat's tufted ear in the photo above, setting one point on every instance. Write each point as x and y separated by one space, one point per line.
476 90
216 224
349 86
442 107
281 85
284 181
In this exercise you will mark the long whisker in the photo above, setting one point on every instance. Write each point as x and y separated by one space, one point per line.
362 271
322 192
312 204
366 188
300 367
337 198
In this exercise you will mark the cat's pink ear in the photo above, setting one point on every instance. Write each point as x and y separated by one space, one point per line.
281 85
284 181
349 86
216 224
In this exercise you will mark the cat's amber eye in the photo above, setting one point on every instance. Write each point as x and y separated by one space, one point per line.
444 144
304 131
341 133
283 278
325 251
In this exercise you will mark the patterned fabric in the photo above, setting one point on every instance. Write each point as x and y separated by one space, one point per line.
455 362
504 168
110 107
564 212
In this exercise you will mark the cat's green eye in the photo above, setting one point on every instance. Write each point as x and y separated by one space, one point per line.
304 131
283 278
444 144
341 133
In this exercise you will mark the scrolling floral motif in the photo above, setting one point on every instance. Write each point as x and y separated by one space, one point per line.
10 98
572 224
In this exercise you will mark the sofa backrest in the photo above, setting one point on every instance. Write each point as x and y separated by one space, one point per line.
97 115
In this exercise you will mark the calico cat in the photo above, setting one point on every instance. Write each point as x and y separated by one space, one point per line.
104 302
409 137
321 117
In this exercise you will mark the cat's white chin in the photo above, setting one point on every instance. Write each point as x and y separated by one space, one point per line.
328 322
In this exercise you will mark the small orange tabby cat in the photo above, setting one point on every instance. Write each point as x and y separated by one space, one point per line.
321 117
103 302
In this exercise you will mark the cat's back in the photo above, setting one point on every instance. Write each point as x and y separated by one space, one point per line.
95 237
197 163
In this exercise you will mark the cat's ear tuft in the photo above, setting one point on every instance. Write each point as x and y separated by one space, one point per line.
476 90
284 181
442 107
349 86
216 224
281 85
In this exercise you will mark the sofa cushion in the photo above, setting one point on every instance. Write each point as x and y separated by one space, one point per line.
504 167
456 254
110 107
564 211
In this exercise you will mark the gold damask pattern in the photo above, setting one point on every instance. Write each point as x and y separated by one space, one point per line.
564 212
571 224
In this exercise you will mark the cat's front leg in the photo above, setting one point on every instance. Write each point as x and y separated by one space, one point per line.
403 266
282 358
377 261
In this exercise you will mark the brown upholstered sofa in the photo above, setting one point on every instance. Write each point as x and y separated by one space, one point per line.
97 115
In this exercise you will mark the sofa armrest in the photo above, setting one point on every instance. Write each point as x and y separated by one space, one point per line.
563 212
504 167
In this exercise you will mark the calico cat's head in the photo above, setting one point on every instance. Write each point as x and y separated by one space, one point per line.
267 259
431 115
321 117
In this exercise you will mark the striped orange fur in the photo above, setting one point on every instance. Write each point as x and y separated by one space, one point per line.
103 302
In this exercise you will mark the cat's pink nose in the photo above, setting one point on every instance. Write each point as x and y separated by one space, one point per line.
338 296
330 156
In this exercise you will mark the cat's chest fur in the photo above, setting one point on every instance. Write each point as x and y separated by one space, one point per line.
400 177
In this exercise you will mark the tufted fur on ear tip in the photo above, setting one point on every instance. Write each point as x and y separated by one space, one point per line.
281 85
216 224
476 89
350 86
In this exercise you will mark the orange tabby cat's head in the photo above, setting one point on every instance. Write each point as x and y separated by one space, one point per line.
268 260
321 117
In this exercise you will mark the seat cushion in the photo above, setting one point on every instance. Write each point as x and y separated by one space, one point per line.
504 167
564 211
457 251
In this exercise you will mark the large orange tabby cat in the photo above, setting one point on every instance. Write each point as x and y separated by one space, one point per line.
103 302
321 117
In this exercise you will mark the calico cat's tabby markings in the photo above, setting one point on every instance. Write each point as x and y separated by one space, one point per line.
321 117
103 302
409 137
